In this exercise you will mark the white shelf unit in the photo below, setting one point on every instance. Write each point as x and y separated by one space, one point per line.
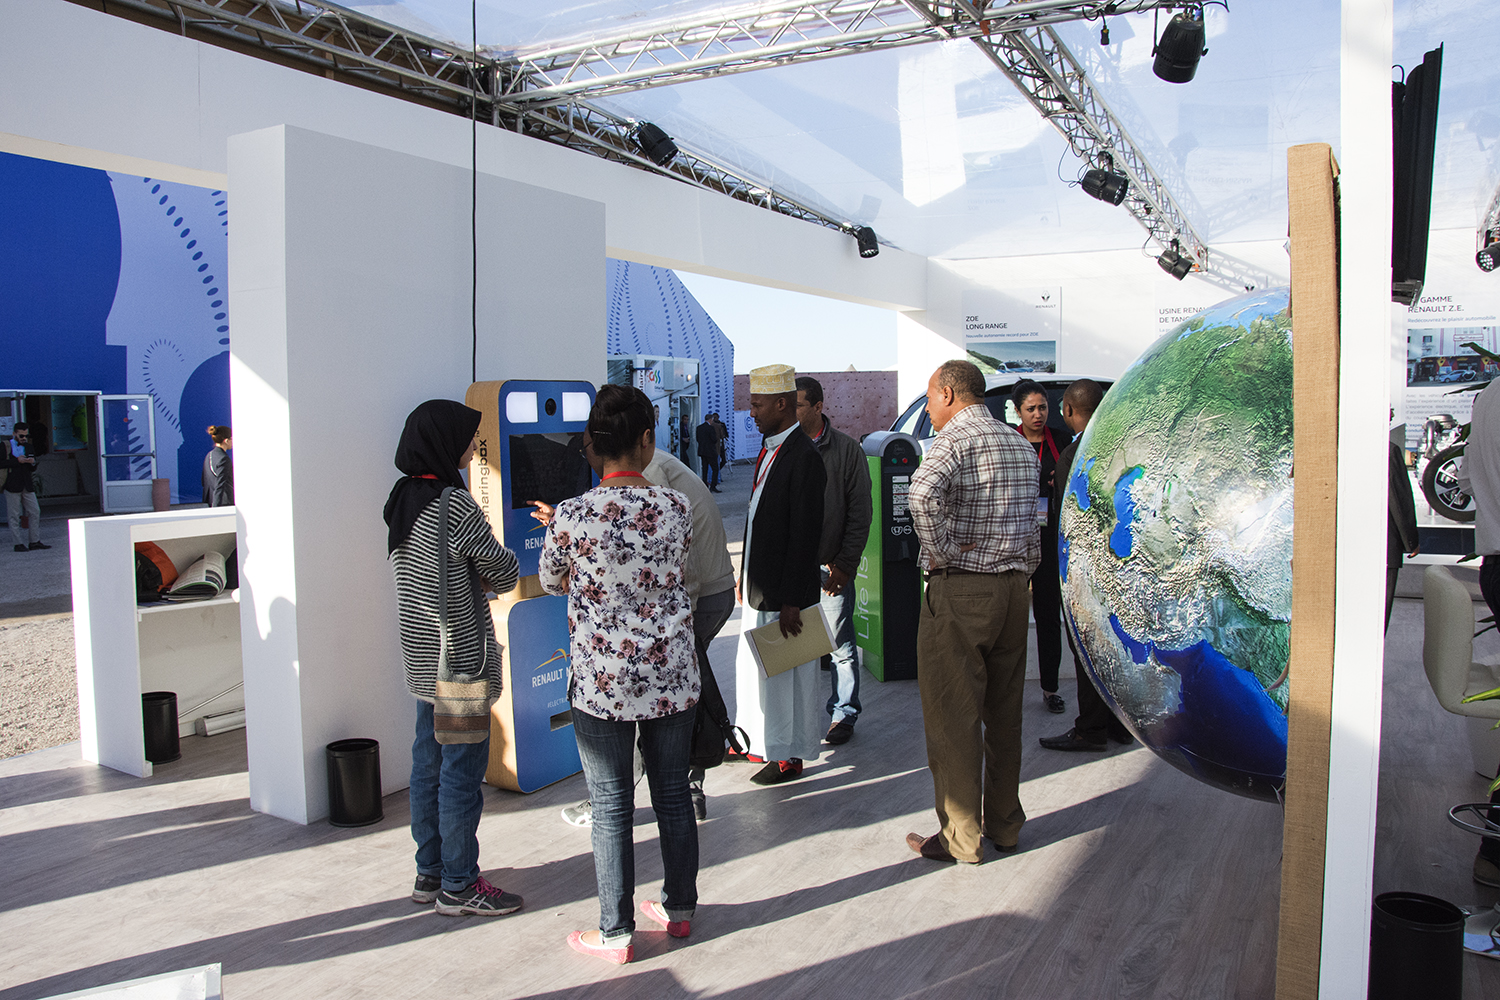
124 649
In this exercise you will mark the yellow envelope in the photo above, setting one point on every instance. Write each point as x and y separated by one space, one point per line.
777 653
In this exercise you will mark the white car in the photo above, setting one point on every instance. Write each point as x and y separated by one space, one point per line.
997 396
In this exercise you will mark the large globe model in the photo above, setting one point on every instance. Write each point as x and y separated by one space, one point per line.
1176 544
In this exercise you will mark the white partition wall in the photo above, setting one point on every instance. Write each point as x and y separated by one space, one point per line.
350 278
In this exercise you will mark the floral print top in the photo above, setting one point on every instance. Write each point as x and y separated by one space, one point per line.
618 553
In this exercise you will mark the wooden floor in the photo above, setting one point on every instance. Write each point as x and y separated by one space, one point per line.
1426 767
1133 881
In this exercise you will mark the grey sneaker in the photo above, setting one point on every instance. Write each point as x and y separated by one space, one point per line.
426 888
580 815
480 899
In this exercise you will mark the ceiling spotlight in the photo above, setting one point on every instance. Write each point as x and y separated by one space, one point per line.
657 146
1488 258
1174 262
868 247
1106 185
1180 47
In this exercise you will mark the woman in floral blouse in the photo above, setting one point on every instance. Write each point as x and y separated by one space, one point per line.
618 551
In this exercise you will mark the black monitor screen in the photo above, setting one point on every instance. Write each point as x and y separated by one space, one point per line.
547 467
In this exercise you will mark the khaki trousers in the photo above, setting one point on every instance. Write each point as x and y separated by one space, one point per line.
971 672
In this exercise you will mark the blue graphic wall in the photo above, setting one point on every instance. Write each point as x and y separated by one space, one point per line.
116 283
651 312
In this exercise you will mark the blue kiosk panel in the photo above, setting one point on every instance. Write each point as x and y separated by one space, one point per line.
541 723
540 439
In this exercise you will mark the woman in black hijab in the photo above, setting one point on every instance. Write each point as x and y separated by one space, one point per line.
447 764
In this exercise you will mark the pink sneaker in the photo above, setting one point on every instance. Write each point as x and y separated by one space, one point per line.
619 956
676 928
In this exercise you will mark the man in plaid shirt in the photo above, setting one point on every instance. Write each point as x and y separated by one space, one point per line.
974 505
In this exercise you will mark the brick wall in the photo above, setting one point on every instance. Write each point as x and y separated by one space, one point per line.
855 402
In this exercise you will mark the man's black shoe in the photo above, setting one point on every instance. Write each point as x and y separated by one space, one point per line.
838 734
40 545
1070 740
21 548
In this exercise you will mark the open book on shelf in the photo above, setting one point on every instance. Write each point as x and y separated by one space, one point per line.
202 580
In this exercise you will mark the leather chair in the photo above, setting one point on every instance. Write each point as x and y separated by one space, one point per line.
1448 657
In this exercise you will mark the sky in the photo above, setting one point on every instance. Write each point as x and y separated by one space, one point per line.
771 326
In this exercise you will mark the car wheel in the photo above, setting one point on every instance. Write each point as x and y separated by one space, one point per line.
1440 486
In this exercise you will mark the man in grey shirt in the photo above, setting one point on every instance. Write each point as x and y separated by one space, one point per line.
1481 477
847 510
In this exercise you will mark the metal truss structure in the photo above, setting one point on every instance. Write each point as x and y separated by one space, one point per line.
787 33
544 93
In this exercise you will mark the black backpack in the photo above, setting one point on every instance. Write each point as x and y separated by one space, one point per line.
712 730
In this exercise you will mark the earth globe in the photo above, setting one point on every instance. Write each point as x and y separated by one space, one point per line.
1175 545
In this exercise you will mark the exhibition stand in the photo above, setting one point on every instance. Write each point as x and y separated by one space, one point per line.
530 448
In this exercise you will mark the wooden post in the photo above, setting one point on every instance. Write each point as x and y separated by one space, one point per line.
1313 202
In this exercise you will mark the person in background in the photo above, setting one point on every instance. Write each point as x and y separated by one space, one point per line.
782 715
1030 401
618 552
1096 725
847 510
1401 525
1481 479
973 504
20 490
723 430
218 469
446 801
709 576
708 452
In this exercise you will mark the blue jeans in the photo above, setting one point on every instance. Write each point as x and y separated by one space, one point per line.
843 703
446 801
607 749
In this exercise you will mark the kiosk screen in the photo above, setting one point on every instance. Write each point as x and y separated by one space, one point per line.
547 467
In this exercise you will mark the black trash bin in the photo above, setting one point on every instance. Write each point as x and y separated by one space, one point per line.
159 716
354 783
1416 948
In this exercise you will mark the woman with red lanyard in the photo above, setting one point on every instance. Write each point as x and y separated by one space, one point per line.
1030 401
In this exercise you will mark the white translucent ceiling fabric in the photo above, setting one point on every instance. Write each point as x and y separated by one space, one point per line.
938 151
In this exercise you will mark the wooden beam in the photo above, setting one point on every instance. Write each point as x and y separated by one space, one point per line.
1312 190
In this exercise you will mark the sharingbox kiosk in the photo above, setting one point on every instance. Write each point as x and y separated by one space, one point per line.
530 448
888 583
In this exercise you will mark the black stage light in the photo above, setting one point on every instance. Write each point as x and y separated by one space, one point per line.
1175 263
657 146
1180 47
1106 185
1489 257
865 236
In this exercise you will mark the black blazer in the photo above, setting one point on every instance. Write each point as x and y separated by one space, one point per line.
783 566
218 478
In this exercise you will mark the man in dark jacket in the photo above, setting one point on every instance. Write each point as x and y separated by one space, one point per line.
847 509
1096 724
708 451
18 458
782 715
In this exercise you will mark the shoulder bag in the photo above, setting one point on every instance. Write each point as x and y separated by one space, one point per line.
461 704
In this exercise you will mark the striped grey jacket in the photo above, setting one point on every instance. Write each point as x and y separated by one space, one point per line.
474 554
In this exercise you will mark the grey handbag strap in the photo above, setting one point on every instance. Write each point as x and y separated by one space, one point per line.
443 582
443 670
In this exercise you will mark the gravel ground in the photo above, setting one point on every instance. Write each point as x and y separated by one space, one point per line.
38 686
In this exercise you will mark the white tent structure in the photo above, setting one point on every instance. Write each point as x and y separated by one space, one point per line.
351 236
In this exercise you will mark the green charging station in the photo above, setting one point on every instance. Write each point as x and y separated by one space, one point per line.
888 583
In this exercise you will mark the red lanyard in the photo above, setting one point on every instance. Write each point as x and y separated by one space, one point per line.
612 475
1046 438
759 475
